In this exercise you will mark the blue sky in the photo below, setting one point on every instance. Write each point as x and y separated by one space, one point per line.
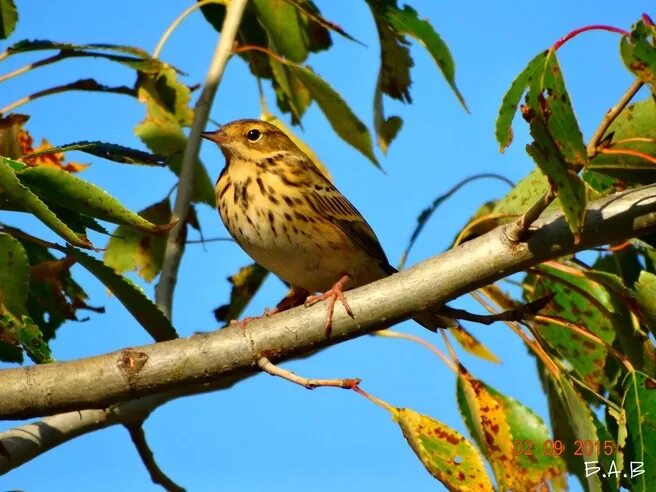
264 432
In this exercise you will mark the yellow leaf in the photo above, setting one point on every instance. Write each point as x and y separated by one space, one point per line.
472 345
489 420
446 454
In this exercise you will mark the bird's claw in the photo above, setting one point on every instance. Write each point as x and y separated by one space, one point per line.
334 294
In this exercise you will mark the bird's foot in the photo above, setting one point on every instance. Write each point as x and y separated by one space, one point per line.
334 294
294 297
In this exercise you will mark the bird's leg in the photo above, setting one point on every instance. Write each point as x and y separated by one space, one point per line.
336 292
294 297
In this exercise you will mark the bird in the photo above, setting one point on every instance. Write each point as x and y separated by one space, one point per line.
289 218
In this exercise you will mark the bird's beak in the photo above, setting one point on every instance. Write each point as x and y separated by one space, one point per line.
216 136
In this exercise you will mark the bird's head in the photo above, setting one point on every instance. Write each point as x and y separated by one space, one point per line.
250 140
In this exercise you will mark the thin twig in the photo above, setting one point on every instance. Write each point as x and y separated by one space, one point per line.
210 240
269 367
522 312
412 338
175 241
138 437
610 116
174 25
517 231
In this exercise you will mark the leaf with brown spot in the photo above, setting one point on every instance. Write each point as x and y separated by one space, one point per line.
634 131
445 453
472 345
486 419
639 53
131 249
511 100
579 301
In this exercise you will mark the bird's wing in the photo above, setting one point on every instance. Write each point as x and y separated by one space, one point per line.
329 203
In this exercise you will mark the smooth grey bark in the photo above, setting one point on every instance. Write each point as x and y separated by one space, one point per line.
217 360
100 381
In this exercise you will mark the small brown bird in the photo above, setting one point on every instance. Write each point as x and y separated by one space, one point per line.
290 219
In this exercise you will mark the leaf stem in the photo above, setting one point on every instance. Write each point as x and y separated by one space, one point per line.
412 338
610 116
175 241
594 27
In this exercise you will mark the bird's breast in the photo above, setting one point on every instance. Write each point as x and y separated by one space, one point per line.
277 227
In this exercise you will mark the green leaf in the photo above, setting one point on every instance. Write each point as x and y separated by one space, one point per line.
609 457
8 18
496 423
245 284
512 98
112 152
31 339
569 187
631 134
339 114
550 102
645 295
130 249
14 275
634 342
26 45
445 453
638 52
167 111
580 301
395 60
23 197
580 418
527 426
639 404
131 296
524 195
407 21
69 191
292 95
280 20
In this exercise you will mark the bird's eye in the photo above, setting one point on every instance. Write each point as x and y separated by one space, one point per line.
253 135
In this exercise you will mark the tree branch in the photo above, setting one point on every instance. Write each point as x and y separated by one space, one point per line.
175 241
189 365
138 437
